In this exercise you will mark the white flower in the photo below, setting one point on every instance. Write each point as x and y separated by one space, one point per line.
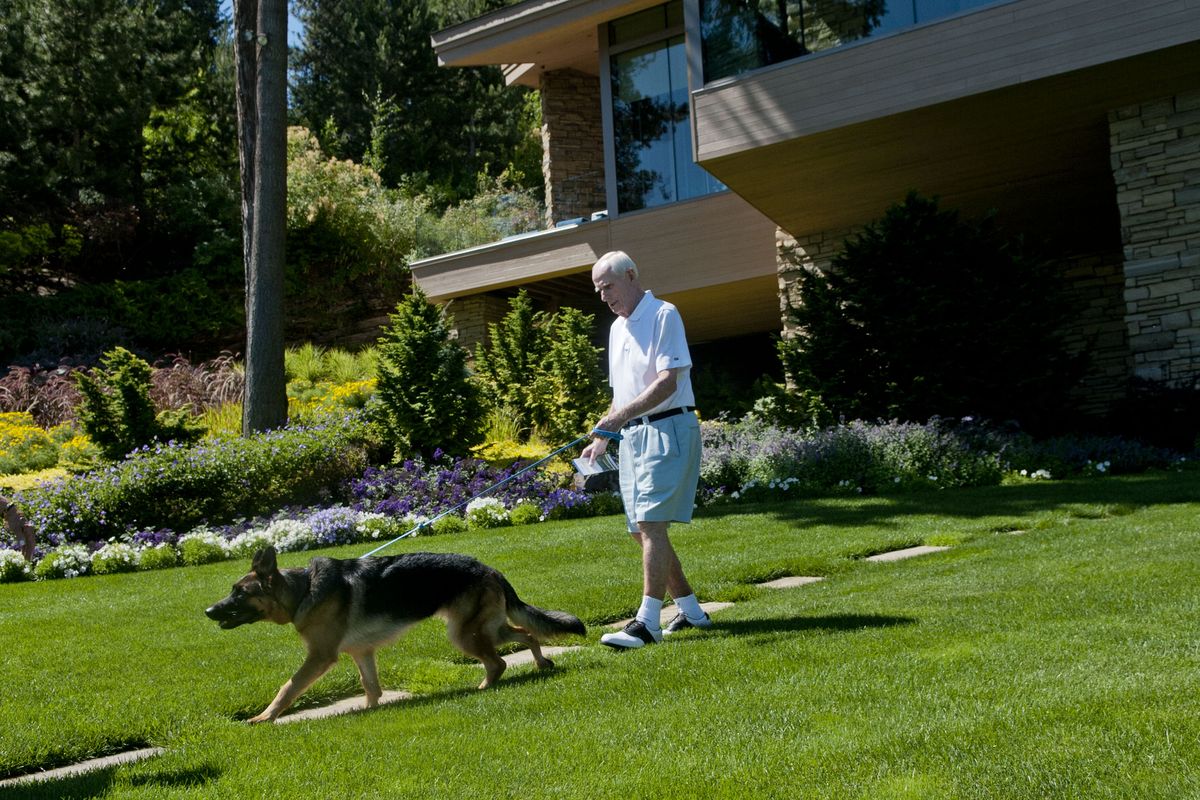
290 534
13 565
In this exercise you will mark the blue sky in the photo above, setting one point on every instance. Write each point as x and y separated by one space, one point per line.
295 29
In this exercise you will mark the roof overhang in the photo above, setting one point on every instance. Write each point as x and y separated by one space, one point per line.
533 37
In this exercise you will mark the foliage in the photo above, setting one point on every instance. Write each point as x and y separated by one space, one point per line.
68 151
348 237
114 557
24 447
158 556
117 413
925 313
178 487
11 484
14 567
498 208
210 384
64 561
486 512
525 513
1066 456
367 80
542 370
427 401
48 394
1161 413
855 456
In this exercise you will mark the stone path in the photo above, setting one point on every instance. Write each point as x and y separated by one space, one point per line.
346 706
908 552
519 658
83 767
790 582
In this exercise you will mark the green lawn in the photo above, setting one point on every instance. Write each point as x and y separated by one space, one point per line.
1062 661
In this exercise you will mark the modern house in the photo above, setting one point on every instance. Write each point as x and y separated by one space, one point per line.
700 135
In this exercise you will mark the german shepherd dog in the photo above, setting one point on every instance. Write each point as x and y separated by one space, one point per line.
358 605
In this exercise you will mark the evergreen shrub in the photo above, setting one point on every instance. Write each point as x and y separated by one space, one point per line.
924 313
426 399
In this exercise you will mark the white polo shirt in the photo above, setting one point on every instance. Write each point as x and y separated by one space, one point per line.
643 344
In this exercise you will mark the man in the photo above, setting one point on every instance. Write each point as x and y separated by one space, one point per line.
653 409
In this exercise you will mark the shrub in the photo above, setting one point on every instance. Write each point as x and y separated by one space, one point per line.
245 545
542 370
924 313
525 513
606 503
159 556
373 526
855 456
426 399
24 447
14 567
202 546
178 487
1064 456
64 561
487 512
115 557
450 523
117 413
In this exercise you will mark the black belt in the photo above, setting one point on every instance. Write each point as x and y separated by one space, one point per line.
671 412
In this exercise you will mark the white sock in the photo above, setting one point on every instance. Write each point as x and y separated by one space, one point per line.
650 612
690 607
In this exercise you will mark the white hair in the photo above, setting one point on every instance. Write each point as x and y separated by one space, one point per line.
619 262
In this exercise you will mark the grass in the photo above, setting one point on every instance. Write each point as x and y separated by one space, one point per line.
1052 653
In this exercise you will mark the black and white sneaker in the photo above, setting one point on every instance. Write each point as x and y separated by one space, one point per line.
632 636
682 622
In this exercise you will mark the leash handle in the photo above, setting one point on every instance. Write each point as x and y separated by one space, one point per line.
614 435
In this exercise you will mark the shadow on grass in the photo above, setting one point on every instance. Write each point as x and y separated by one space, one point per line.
100 782
832 623
1159 488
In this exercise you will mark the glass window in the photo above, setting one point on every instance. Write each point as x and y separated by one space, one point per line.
741 35
651 121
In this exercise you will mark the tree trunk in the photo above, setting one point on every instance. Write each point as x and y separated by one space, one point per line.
264 211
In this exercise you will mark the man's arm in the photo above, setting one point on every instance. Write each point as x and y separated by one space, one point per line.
662 388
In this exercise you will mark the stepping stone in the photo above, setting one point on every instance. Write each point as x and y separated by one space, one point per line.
345 706
669 612
790 582
908 552
526 656
83 767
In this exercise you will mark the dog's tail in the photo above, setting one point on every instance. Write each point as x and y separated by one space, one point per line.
538 621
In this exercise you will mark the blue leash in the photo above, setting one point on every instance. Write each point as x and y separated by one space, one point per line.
429 522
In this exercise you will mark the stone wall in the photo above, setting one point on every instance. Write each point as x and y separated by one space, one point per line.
1155 150
572 145
472 315
1098 329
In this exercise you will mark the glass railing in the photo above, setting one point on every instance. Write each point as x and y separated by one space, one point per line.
741 35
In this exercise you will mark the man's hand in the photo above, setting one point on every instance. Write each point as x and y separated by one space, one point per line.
595 449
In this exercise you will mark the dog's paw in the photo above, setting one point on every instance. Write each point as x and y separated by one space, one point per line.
263 717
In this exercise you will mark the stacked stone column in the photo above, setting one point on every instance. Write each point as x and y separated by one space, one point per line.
572 145
1155 149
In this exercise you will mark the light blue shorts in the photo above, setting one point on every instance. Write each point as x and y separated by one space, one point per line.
660 469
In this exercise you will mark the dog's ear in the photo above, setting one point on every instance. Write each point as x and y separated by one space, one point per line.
264 564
